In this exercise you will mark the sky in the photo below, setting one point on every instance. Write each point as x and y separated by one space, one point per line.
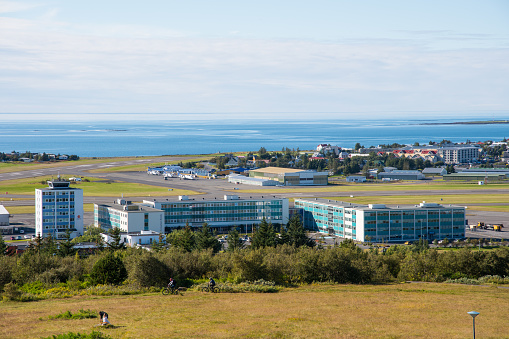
244 59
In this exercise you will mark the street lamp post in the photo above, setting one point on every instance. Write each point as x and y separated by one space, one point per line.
473 314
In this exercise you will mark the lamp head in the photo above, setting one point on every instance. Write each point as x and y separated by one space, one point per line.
473 314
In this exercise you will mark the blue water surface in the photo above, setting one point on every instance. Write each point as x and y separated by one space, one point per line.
150 138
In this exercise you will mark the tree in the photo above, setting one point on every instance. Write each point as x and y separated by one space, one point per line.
233 240
205 239
283 237
296 233
108 270
3 246
66 247
358 146
158 246
265 235
184 239
92 234
116 242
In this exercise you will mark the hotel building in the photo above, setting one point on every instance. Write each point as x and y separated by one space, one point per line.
379 223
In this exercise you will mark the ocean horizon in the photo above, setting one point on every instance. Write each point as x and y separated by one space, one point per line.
126 137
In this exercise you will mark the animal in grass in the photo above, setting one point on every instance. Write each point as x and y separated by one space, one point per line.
104 318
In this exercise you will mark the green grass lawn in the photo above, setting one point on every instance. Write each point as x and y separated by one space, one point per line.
413 310
96 187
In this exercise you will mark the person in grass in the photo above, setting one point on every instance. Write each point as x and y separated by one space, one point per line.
104 318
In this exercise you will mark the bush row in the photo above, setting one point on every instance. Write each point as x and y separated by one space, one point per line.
283 265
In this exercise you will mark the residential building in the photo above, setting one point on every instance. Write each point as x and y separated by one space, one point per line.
128 217
58 208
291 177
380 223
459 154
221 214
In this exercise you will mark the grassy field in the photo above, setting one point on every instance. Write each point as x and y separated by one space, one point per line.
7 167
416 310
96 187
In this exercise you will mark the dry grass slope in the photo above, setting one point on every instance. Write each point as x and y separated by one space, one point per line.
417 310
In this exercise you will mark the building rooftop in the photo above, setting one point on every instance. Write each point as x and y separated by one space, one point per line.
279 170
376 206
127 206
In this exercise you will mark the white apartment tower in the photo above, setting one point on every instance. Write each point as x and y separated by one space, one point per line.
57 209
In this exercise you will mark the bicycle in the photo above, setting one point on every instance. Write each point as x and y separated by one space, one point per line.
168 290
214 289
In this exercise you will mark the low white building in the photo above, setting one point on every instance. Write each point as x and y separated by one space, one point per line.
134 239
356 178
242 179
128 217
4 216
431 171
401 175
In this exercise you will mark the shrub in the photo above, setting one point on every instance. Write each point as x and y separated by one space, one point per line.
81 314
11 292
72 335
108 270
146 270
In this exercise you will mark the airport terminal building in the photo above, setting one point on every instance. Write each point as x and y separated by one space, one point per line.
379 223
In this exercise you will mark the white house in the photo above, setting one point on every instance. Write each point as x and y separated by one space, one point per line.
355 178
134 239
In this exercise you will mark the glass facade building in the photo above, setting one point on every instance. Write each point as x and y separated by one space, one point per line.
379 223
221 214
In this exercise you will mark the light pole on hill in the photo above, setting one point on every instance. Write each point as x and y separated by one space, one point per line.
473 314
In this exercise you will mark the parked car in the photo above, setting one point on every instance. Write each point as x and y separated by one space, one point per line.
13 238
27 237
18 237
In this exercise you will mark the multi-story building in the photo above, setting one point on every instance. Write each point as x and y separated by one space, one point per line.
380 223
221 214
459 154
58 208
129 217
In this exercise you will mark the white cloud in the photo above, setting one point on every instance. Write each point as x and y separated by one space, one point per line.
49 66
12 6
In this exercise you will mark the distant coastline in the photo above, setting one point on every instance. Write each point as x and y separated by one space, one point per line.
486 122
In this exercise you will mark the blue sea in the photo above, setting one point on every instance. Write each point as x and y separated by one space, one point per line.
166 137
